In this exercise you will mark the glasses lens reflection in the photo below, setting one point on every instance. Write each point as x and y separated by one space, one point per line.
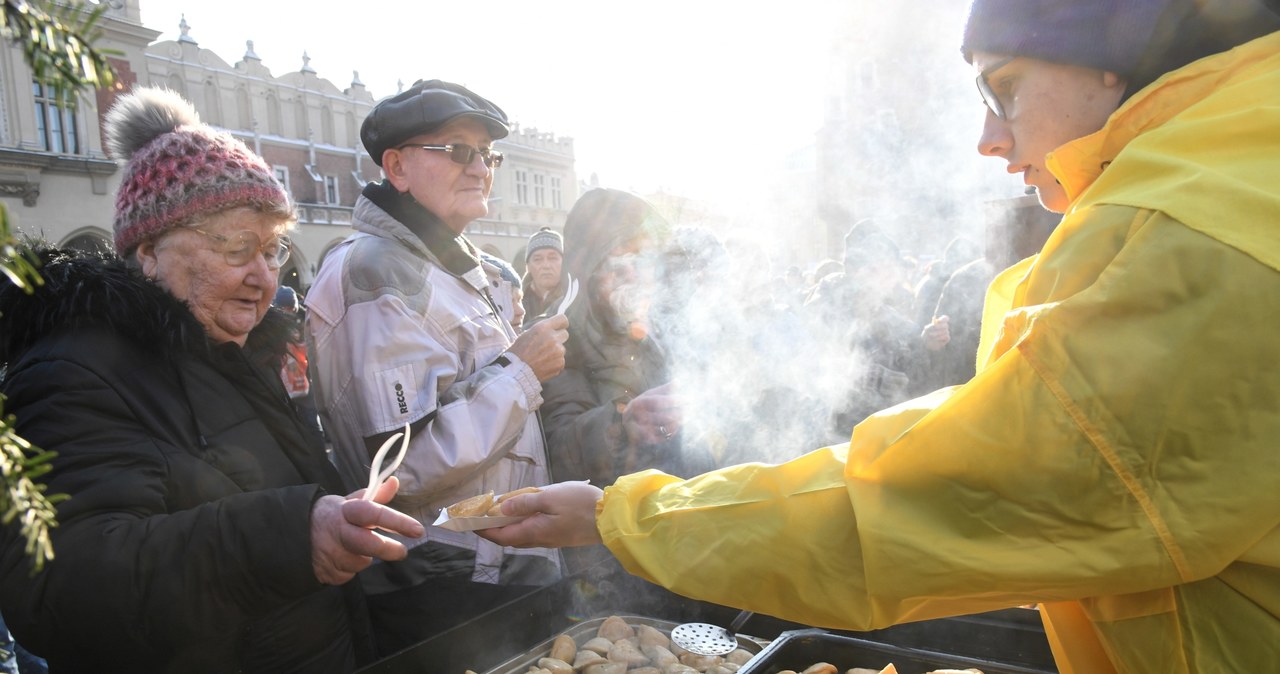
989 96
465 154
239 248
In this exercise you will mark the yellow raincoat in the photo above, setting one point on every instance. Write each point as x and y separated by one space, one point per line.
1117 457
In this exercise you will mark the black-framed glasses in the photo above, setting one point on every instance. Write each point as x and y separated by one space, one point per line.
984 88
462 153
239 248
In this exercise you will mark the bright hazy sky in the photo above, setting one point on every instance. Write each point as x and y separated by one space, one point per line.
691 96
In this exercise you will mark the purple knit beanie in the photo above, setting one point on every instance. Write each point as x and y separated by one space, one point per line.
1102 34
177 170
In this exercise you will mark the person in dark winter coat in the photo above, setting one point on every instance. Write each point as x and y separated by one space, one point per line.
205 530
545 281
613 410
861 305
960 251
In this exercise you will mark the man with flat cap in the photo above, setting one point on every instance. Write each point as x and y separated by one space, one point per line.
404 330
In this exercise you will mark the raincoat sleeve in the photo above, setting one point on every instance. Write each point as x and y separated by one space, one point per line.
1119 440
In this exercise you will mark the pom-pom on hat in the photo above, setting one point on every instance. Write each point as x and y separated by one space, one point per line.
177 170
544 238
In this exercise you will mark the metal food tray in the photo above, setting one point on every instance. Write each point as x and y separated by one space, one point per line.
798 649
585 630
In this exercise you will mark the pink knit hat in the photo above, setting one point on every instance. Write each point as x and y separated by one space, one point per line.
177 170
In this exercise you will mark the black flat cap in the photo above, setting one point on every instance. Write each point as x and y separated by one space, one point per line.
423 108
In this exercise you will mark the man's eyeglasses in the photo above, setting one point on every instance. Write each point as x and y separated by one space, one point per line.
463 154
984 88
239 248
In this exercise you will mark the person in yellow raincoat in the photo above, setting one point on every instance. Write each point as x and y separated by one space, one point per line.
1115 459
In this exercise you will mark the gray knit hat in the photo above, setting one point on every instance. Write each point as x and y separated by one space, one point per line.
177 170
544 238
1140 40
1102 34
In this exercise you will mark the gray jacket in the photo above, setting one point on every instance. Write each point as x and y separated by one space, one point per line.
397 339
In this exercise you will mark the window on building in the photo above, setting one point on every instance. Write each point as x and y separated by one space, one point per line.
244 111
331 190
273 115
868 79
539 190
522 187
326 125
212 113
282 174
55 125
556 201
301 119
887 120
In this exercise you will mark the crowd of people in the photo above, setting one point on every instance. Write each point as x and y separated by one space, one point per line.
987 438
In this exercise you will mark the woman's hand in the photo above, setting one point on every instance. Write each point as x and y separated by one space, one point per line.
562 515
343 540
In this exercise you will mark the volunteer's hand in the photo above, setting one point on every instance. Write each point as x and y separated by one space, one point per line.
654 416
542 346
937 333
343 540
562 515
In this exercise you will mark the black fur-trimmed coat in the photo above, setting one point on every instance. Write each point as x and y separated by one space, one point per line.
185 543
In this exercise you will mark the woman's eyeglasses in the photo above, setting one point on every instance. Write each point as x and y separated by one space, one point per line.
463 154
239 248
984 88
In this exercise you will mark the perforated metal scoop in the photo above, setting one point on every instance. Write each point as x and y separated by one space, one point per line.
708 639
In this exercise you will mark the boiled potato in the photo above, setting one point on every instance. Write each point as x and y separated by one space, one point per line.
563 648
554 666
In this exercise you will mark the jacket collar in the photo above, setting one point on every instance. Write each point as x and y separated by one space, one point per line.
420 228
1079 163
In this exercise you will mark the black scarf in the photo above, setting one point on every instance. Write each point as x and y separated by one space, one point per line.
454 251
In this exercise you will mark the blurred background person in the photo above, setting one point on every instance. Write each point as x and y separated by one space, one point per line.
506 289
745 391
959 252
613 409
294 370
545 281
859 307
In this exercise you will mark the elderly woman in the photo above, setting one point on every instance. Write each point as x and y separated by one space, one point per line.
205 530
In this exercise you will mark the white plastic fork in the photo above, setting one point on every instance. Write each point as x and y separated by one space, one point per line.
569 296
376 475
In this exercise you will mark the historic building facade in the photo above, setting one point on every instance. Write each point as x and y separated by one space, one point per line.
57 183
